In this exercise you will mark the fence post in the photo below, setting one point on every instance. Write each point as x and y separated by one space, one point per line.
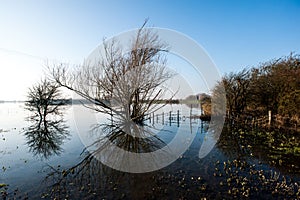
170 118
177 118
153 118
270 118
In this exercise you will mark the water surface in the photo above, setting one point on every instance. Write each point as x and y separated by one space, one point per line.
236 167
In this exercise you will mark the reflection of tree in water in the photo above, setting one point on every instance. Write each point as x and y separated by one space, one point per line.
90 179
45 137
127 135
90 171
48 130
230 143
91 174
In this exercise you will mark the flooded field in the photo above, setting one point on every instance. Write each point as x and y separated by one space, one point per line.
50 160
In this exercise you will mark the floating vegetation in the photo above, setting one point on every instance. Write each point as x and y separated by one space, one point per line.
243 180
3 190
280 149
3 185
3 131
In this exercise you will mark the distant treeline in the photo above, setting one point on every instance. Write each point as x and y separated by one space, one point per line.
51 102
165 101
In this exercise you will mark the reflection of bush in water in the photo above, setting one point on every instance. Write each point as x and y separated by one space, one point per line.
276 148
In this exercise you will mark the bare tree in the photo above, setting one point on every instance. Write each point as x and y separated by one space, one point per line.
45 136
235 85
44 98
123 83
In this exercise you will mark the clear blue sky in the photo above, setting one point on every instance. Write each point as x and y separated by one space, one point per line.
236 34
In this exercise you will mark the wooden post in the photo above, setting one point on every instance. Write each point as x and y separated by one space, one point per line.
177 118
153 118
270 118
170 118
163 118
